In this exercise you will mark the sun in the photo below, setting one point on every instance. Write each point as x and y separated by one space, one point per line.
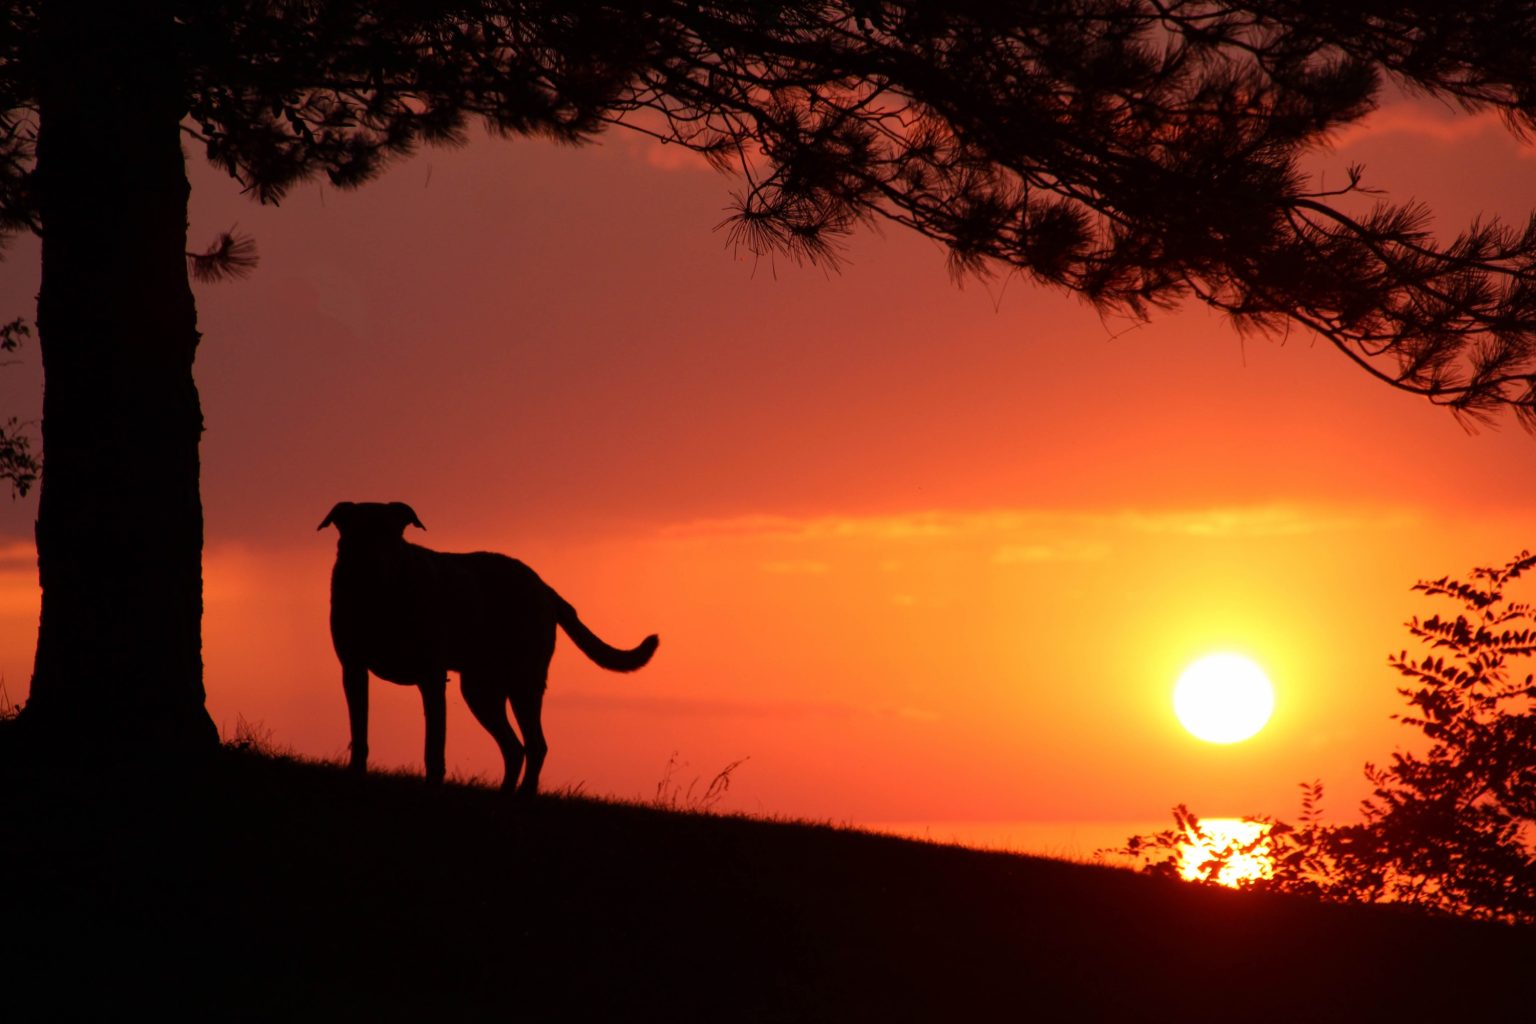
1223 698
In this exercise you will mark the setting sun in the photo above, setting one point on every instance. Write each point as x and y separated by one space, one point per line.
1223 698
1242 846
1022 423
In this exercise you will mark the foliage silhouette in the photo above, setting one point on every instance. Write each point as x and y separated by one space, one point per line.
230 256
1450 827
18 465
1137 152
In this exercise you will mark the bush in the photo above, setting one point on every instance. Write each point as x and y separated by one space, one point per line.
1452 828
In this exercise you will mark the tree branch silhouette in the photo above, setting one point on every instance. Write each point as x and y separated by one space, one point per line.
1139 153
1450 825
231 256
1135 153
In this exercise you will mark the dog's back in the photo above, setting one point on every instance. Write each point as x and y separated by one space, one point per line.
409 612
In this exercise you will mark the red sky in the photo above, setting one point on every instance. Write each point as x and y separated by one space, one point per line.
919 552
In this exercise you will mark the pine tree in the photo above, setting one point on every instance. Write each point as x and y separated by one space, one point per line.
1137 152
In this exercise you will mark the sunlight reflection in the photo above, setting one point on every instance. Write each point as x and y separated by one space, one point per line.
1243 844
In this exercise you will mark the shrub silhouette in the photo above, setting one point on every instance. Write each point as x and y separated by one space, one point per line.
1450 827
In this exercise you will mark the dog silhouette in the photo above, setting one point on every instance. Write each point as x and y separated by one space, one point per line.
410 615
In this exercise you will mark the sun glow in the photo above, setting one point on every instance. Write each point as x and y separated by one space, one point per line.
1241 847
1223 698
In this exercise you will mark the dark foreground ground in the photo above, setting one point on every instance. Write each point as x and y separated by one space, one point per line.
268 889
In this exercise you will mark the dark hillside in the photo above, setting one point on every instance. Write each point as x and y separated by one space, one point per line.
275 890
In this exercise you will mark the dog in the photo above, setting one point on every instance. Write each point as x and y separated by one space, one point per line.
410 615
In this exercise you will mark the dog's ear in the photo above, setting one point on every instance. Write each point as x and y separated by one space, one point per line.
407 515
339 509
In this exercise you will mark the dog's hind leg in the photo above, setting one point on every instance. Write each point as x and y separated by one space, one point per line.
528 706
354 683
488 703
434 704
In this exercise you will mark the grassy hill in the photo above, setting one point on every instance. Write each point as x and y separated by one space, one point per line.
276 890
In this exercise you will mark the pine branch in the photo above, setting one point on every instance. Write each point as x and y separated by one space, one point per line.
230 256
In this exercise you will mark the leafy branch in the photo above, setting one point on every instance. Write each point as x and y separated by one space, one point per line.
18 464
1450 828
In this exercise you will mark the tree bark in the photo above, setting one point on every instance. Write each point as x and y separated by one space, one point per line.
120 522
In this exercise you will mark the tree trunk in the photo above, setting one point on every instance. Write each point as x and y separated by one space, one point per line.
120 521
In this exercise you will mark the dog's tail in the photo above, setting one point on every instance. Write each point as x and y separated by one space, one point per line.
615 659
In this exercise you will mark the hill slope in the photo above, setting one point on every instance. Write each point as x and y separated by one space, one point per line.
277 890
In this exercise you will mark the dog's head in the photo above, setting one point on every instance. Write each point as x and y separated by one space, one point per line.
373 521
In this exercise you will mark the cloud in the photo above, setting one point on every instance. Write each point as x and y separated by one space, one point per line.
726 707
666 157
19 592
908 526
1025 554
797 567
651 150
1040 535
18 555
1423 122
1266 521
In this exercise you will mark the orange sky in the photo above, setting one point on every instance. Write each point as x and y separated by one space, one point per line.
919 552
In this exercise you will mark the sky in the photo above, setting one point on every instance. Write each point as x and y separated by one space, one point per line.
915 551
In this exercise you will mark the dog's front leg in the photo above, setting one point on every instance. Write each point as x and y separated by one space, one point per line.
435 706
354 682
